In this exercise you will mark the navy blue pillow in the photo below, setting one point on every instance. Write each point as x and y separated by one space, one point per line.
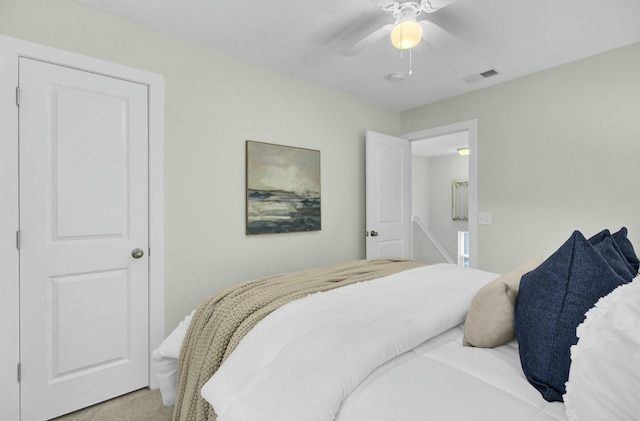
605 244
626 247
551 303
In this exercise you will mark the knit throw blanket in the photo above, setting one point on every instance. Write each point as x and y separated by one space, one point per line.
219 324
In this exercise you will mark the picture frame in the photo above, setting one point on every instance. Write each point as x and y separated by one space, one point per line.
460 202
282 189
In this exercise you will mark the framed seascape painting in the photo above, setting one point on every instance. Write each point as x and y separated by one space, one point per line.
283 189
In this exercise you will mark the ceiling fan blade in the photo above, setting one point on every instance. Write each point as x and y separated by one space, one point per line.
382 3
440 38
368 41
333 30
341 6
432 6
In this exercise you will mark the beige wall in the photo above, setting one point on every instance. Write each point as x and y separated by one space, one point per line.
420 195
442 171
557 151
432 201
214 103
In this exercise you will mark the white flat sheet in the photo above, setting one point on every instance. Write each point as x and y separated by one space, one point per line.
165 361
302 360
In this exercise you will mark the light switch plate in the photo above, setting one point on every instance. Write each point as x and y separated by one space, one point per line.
484 218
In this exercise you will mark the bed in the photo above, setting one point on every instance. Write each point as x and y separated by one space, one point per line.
413 342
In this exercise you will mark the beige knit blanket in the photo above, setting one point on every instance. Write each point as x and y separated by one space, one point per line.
219 323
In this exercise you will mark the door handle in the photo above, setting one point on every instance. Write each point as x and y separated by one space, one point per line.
137 253
374 233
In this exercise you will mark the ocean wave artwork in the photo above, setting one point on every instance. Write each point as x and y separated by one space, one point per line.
283 189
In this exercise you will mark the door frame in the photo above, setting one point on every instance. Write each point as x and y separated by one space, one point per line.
471 127
10 51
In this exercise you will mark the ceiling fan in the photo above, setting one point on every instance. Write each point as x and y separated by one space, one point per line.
407 31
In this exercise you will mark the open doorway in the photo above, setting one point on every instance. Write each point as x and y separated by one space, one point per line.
436 229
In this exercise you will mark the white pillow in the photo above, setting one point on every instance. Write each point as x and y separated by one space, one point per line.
604 378
170 347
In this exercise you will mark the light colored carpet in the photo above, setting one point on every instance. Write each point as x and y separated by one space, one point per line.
141 405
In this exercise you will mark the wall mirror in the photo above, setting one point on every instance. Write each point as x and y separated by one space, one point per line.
460 203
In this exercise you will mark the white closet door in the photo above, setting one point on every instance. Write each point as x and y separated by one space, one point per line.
83 209
388 196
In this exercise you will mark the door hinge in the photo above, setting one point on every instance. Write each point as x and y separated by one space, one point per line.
18 239
18 96
19 372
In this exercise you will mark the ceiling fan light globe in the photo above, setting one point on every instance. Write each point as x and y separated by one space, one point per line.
406 34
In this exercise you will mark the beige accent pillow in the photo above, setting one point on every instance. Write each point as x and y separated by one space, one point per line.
489 321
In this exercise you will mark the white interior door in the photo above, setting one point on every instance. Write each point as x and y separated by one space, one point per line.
83 209
388 196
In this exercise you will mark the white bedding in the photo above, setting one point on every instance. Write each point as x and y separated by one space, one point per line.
442 380
348 355
165 361
303 360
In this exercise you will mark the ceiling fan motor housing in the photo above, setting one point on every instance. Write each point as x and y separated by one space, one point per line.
408 8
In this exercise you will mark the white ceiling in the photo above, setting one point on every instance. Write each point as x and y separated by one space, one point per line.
447 144
307 38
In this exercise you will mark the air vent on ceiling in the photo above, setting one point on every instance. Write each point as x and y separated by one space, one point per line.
489 73
481 76
395 77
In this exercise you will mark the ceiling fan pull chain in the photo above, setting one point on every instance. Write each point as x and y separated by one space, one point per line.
410 62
